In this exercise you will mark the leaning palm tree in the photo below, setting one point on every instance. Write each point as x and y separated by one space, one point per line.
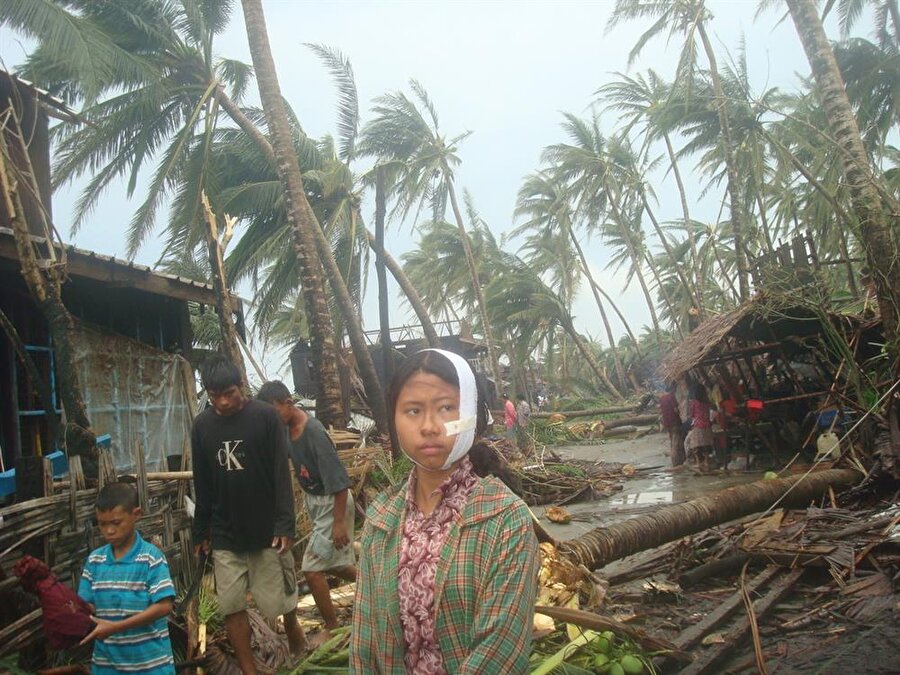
545 202
406 131
598 194
648 102
689 17
516 295
382 178
871 202
309 238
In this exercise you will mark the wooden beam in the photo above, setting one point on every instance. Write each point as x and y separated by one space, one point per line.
710 659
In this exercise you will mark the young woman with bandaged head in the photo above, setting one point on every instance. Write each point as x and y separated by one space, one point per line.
448 568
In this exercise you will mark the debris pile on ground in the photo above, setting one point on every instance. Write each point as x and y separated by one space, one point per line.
797 589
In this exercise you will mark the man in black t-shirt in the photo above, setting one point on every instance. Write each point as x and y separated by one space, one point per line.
326 488
245 507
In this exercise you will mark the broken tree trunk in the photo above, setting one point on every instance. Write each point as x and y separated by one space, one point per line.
636 420
215 249
603 545
586 413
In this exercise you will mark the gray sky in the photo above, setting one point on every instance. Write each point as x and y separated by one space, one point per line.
504 70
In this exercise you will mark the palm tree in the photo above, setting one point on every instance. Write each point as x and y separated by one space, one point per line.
585 164
689 17
545 201
519 299
871 203
307 233
650 102
407 131
382 178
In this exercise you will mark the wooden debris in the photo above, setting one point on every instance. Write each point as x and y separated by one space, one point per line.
709 660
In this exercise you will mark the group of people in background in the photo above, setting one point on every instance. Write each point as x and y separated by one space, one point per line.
447 574
690 420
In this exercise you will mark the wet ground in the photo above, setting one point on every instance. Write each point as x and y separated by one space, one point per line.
655 484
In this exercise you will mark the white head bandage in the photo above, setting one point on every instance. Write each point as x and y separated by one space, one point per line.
464 427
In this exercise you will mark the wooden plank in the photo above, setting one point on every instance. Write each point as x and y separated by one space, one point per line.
708 661
692 636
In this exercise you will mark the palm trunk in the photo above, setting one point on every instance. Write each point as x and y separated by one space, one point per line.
78 437
620 370
871 213
476 285
723 271
301 220
666 246
384 320
603 545
634 340
636 260
665 294
655 271
230 346
737 214
412 295
588 355
688 223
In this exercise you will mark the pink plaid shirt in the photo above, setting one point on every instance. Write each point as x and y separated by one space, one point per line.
420 549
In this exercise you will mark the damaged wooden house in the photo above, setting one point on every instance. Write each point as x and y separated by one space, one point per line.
130 332
782 375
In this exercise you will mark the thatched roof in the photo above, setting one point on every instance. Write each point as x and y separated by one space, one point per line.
702 341
765 318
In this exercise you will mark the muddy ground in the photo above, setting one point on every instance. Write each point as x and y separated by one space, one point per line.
828 643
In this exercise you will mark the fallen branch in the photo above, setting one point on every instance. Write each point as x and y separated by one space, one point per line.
592 621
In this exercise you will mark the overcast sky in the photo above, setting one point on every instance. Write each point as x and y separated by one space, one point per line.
503 70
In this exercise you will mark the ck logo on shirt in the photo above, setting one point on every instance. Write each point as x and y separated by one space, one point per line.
228 457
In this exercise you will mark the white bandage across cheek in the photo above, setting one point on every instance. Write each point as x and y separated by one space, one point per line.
458 426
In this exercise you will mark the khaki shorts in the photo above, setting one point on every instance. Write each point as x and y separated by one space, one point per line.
320 554
266 574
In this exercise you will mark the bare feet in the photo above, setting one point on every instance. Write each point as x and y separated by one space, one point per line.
297 641
319 639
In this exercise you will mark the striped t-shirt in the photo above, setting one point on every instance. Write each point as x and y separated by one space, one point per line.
119 589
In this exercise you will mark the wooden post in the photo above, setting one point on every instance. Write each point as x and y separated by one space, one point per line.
106 468
141 471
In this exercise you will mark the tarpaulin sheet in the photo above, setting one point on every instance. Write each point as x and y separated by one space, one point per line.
135 393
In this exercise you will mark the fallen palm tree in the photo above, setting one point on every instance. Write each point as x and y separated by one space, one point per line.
603 545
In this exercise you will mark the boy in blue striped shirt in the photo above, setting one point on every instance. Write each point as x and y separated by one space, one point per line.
128 584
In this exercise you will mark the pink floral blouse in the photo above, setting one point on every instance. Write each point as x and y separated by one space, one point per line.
420 551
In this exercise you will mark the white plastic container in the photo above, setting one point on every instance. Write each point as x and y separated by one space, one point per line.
828 445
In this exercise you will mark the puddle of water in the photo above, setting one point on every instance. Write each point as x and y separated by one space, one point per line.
659 487
649 497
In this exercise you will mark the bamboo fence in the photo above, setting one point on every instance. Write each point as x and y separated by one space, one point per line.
59 528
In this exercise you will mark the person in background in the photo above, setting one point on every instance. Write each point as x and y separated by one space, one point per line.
523 419
509 417
449 563
671 422
245 508
128 585
699 441
326 491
